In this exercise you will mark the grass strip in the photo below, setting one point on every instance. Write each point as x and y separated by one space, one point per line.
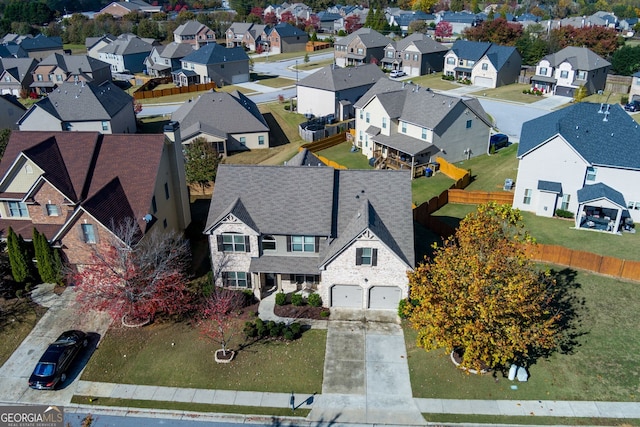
528 420
188 406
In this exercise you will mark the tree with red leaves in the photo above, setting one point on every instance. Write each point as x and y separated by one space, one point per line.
352 23
219 315
270 18
287 17
134 278
444 29
497 31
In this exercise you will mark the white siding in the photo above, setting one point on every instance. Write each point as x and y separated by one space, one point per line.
315 101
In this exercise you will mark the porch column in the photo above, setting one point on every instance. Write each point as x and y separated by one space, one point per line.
413 167
617 221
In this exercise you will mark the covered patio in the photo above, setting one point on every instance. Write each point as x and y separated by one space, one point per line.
543 83
284 274
402 152
601 208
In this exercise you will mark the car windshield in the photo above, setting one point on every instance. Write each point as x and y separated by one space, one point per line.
44 369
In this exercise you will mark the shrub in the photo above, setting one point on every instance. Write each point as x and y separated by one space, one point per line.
297 300
402 308
288 335
449 78
324 313
250 330
624 99
314 300
563 213
261 328
296 328
281 298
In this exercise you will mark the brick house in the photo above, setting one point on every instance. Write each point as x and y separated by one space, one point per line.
360 47
283 38
76 188
194 33
416 55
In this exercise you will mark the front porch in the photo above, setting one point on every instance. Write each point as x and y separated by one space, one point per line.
271 274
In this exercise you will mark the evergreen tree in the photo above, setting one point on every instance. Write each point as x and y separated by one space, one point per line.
17 257
47 262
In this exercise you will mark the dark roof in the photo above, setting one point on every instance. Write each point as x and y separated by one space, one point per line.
422 42
19 68
74 64
550 186
189 27
304 157
462 17
285 29
334 79
589 193
469 50
614 142
127 44
214 53
404 19
500 55
41 42
13 100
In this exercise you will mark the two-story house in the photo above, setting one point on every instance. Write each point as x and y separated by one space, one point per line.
194 33
253 38
81 106
78 188
484 64
126 53
360 47
235 34
118 9
283 38
163 60
213 63
563 72
334 90
583 159
56 68
405 126
416 55
345 234
15 75
94 44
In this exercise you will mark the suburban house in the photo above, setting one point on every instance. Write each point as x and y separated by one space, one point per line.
405 126
118 9
126 53
327 21
41 46
334 90
194 33
484 64
634 89
10 111
563 72
57 68
237 33
163 60
15 75
94 44
12 50
213 63
345 234
77 188
230 121
360 47
583 159
253 37
283 38
103 108
416 55
403 18
460 20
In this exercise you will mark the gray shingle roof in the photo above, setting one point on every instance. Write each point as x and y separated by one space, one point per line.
75 63
550 186
18 67
240 27
336 78
189 28
127 44
175 50
615 142
370 38
580 58
221 112
41 42
214 53
499 55
290 264
597 191
422 42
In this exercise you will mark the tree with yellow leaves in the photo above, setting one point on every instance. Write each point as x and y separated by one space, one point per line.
482 296
423 5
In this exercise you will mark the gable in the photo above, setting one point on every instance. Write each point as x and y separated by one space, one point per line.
21 176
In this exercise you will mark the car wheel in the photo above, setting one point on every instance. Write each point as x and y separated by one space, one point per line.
63 378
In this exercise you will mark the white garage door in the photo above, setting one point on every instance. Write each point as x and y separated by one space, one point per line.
384 297
346 296
483 81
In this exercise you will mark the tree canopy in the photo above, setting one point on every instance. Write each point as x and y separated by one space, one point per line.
482 294
201 162
497 31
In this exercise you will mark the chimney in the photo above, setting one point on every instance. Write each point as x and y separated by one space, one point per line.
177 180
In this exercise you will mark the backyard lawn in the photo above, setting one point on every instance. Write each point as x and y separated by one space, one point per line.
423 189
488 172
433 81
343 155
602 365
176 355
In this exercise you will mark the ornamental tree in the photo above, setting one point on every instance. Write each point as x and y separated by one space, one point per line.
219 315
482 294
201 162
133 279
444 29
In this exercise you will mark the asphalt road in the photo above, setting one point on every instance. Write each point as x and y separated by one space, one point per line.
99 420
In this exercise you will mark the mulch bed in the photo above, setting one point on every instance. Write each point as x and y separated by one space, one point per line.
300 312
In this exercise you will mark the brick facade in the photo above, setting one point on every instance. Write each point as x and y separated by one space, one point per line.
73 245
48 195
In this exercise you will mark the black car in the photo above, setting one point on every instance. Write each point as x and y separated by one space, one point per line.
633 106
499 140
54 363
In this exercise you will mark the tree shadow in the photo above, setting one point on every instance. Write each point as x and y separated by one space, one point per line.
277 422
277 136
74 371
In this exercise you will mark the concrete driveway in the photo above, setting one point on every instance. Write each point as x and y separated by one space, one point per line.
366 375
63 314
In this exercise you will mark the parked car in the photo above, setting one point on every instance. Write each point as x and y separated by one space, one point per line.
633 106
499 140
397 73
52 367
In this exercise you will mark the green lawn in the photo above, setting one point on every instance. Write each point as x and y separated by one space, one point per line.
512 92
314 64
342 155
423 188
601 366
176 355
433 81
488 172
272 81
76 49
289 55
529 420
17 319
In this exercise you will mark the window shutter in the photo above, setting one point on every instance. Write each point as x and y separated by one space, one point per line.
249 280
374 257
288 243
247 247
358 256
220 247
317 244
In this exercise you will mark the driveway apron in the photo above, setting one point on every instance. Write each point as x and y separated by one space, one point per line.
366 376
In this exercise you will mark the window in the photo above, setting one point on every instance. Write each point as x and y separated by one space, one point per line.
485 67
52 210
565 202
88 233
543 71
582 75
243 141
564 74
469 123
451 61
154 205
424 133
18 209
233 243
303 244
51 77
261 140
360 136
384 123
236 279
361 114
360 51
407 56
471 63
39 77
366 256
389 54
368 119
28 169
7 78
415 56
311 279
59 77
268 243
591 173
527 196
634 205
166 191
404 127
105 125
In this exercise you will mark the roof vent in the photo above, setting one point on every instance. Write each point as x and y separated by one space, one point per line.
600 110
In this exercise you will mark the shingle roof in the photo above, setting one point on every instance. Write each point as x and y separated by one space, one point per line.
422 42
18 67
499 55
214 53
473 51
304 157
41 42
614 142
336 78
175 50
127 44
580 58
188 28
226 112
370 38
240 27
285 29
84 101
597 191
550 186
74 63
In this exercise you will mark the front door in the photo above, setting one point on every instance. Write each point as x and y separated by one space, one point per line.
270 282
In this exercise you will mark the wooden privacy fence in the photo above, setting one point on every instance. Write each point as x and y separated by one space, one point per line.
173 91
454 172
479 197
323 144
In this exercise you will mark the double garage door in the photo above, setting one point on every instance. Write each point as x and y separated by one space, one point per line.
379 297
